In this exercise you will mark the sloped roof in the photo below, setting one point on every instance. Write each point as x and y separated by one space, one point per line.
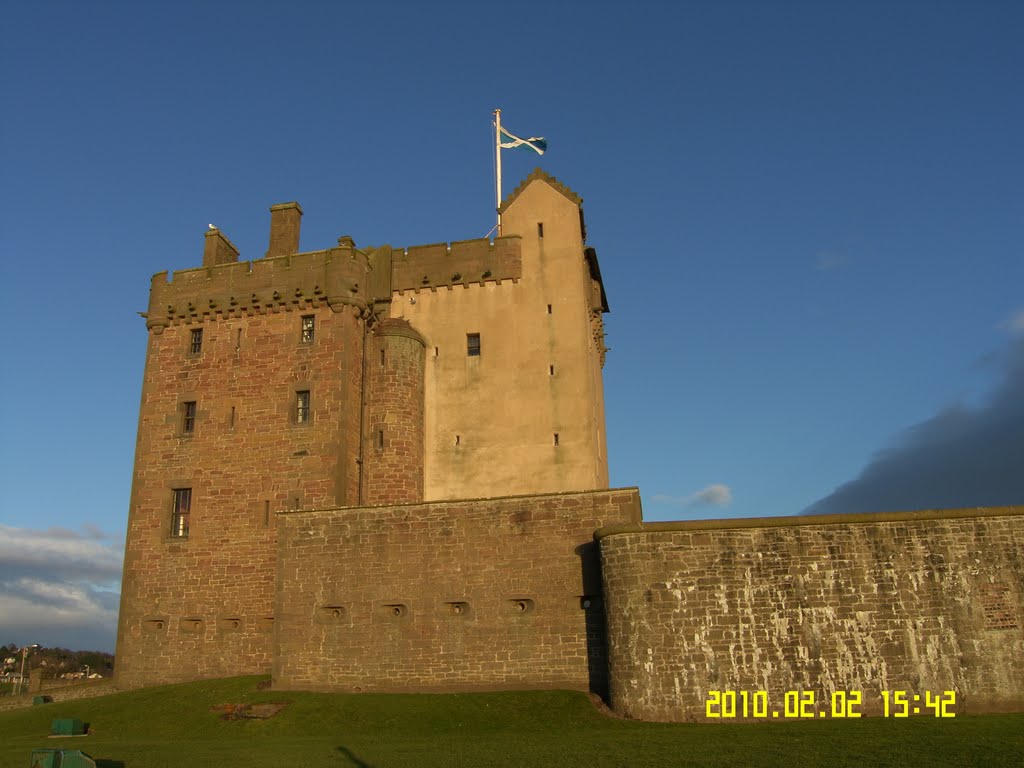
539 175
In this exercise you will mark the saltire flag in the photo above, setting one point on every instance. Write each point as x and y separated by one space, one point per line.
536 143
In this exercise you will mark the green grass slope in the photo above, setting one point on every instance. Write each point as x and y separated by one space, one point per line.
174 727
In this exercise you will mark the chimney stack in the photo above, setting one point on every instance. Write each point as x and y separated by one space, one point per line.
285 219
218 249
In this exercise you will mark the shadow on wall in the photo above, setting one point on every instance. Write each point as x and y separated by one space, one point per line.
592 605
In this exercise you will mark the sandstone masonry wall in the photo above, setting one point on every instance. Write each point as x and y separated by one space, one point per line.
393 443
923 601
482 594
200 603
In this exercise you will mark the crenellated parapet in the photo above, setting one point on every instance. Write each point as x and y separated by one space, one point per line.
337 277
463 262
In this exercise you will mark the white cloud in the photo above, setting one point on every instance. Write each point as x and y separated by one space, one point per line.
59 552
715 495
1016 322
59 587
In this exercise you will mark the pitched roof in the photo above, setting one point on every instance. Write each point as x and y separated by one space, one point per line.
540 175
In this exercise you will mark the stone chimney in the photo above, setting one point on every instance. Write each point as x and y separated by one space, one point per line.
285 219
218 249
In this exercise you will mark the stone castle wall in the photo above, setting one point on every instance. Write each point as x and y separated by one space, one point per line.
446 596
920 602
393 452
201 604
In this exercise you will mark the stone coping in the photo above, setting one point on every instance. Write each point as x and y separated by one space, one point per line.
434 502
860 518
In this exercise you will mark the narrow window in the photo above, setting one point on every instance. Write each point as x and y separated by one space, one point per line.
266 513
295 502
458 439
180 512
551 370
549 309
473 345
188 418
238 340
308 324
437 351
232 416
556 438
380 440
196 345
382 357
540 229
302 407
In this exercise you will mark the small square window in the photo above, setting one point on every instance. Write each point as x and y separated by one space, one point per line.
302 413
188 418
473 344
308 327
180 512
196 344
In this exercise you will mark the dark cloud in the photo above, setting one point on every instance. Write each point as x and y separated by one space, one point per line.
962 457
59 587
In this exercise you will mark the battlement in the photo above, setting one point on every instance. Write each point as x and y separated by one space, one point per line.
462 262
337 276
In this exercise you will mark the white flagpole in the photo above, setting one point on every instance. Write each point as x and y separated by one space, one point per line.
497 165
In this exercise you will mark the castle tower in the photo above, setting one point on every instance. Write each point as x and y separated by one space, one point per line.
340 378
393 444
250 405
514 394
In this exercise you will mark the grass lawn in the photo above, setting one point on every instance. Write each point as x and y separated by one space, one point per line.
174 727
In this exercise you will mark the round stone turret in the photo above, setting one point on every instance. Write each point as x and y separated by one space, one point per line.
393 447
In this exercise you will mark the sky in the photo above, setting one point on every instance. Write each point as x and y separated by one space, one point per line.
809 218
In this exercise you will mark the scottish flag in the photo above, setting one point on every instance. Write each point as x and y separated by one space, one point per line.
536 143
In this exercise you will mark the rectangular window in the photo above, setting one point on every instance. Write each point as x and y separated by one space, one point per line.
188 418
540 229
473 344
196 345
180 512
302 407
308 325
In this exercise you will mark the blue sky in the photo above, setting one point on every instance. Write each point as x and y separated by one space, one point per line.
809 217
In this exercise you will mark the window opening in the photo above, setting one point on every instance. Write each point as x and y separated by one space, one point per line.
302 406
180 512
308 327
238 340
549 309
188 417
380 439
266 513
232 415
540 229
556 438
472 344
551 370
196 344
458 439
382 357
